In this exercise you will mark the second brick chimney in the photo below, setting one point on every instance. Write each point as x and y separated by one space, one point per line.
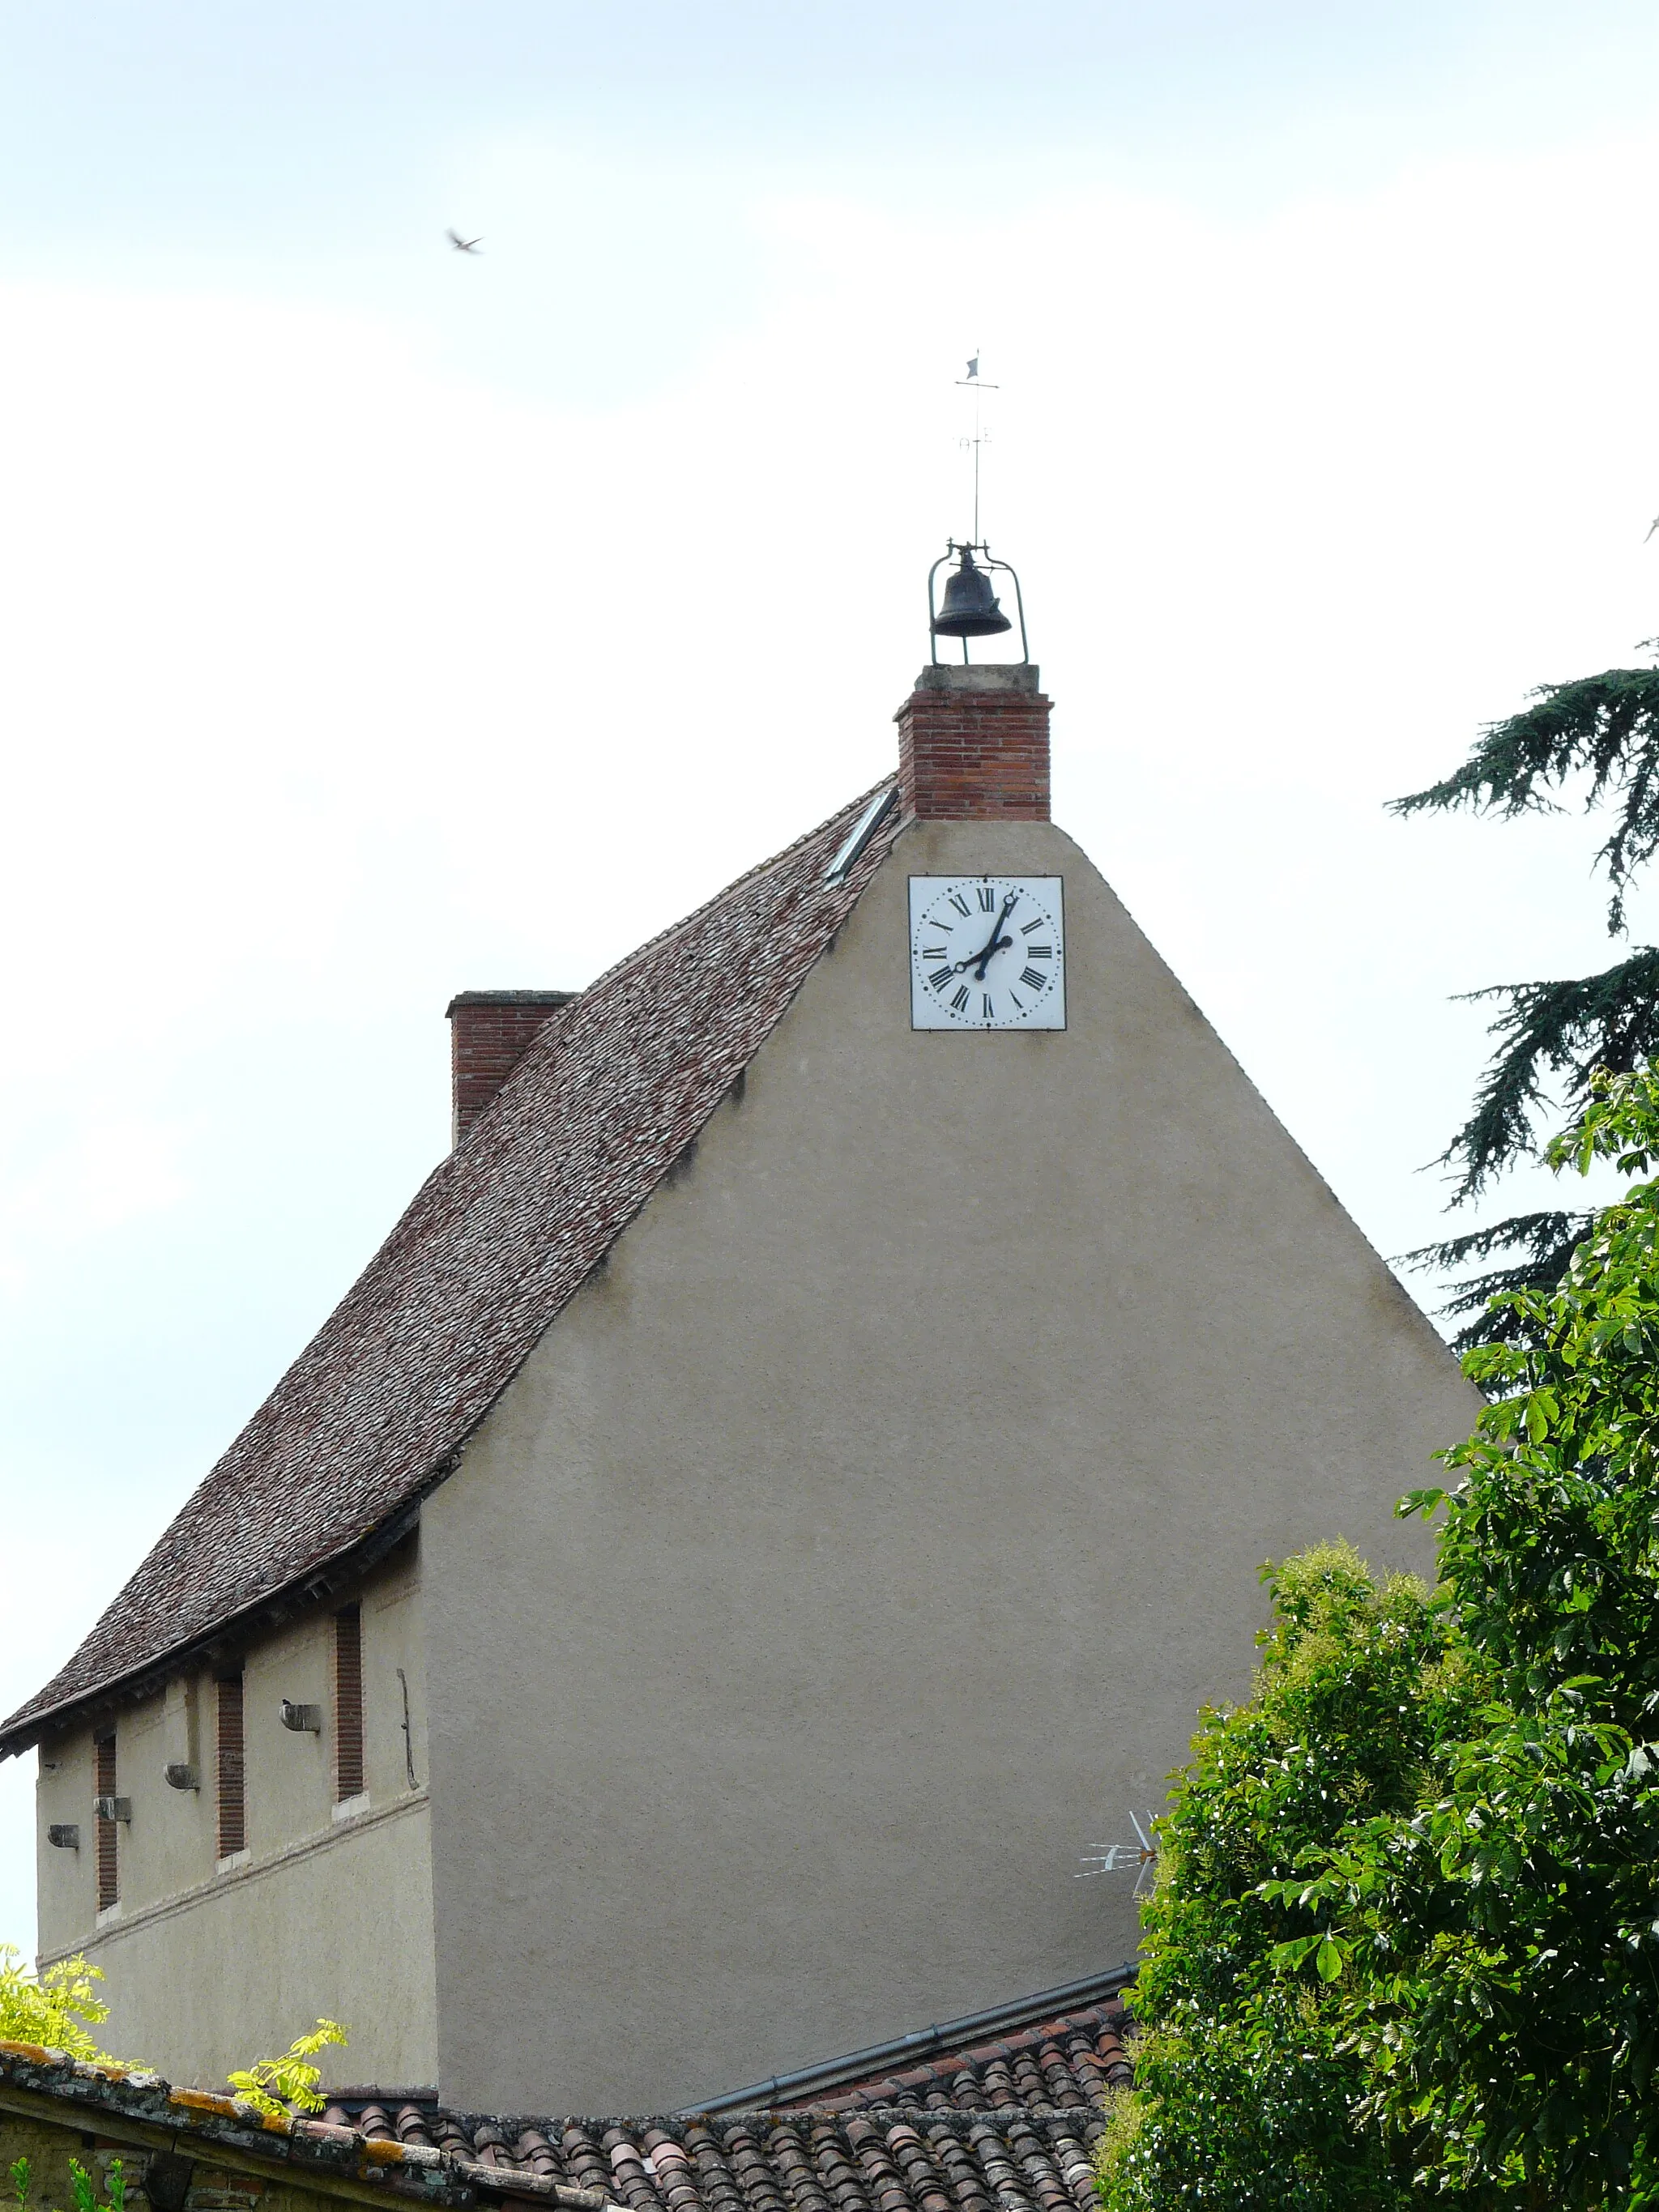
973 745
488 1031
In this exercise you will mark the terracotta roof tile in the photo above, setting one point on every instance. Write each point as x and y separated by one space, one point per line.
1056 2064
1004 2125
604 1102
132 2109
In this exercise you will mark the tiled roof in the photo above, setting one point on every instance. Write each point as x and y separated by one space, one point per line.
500 1236
1002 2126
1007 2126
126 2106
1009 2161
1007 2053
1058 2063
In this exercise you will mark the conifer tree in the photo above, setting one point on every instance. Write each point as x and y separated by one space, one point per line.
1553 1033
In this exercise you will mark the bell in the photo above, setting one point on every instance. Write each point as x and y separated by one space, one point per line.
970 608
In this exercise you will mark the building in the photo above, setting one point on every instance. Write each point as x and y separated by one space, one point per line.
776 1500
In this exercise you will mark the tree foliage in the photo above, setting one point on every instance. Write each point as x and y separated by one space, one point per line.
1604 726
1244 2088
278 2086
1455 1986
57 2009
1601 733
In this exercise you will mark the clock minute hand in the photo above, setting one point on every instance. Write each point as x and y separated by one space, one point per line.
999 943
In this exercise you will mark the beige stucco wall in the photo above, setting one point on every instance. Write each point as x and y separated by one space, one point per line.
855 1550
329 1910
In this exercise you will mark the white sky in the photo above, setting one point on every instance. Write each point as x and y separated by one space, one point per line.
376 622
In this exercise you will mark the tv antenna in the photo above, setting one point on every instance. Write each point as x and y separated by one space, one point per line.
1107 1858
975 383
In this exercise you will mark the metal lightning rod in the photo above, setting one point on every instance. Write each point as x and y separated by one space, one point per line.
981 437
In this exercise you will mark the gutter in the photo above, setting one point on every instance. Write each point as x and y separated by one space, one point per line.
827 2073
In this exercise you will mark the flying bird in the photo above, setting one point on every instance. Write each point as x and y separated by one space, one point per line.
1652 526
972 366
463 245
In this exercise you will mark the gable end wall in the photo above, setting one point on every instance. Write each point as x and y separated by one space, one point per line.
854 1553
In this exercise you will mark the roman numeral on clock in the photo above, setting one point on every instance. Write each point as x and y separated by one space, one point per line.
959 998
988 899
960 903
1033 978
940 977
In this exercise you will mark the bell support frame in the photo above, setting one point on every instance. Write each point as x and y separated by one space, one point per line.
950 547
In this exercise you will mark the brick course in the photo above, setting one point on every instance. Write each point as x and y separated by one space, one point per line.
973 745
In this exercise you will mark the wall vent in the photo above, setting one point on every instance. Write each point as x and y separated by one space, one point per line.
231 1767
109 1864
348 1703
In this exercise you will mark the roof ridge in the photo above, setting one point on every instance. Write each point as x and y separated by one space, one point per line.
749 875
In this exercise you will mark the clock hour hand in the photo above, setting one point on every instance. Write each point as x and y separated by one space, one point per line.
980 960
977 960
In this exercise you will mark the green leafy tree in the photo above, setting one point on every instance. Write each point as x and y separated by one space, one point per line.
277 2087
57 2009
1600 734
1479 1947
1245 2084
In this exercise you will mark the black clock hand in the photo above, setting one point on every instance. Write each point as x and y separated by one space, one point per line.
997 945
979 961
973 960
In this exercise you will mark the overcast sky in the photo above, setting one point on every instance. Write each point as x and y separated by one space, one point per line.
377 621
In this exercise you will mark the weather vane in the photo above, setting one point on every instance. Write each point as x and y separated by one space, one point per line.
982 436
970 608
1106 1858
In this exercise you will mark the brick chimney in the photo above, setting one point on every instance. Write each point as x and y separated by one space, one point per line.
488 1031
973 745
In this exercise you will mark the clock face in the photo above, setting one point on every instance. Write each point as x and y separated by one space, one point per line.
986 952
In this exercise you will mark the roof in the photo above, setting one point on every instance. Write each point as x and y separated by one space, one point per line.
1004 2126
1076 2026
1008 2125
1012 2159
1061 2063
129 2105
500 1237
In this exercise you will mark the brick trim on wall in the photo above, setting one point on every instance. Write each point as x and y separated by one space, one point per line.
973 745
107 1832
348 1703
230 1767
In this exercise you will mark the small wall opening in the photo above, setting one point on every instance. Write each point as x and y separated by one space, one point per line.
108 1853
230 1765
348 1703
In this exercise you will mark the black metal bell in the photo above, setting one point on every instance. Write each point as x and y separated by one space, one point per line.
970 608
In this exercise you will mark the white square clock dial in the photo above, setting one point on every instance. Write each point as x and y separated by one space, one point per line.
986 952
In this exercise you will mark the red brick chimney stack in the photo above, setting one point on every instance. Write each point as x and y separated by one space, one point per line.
973 745
488 1031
